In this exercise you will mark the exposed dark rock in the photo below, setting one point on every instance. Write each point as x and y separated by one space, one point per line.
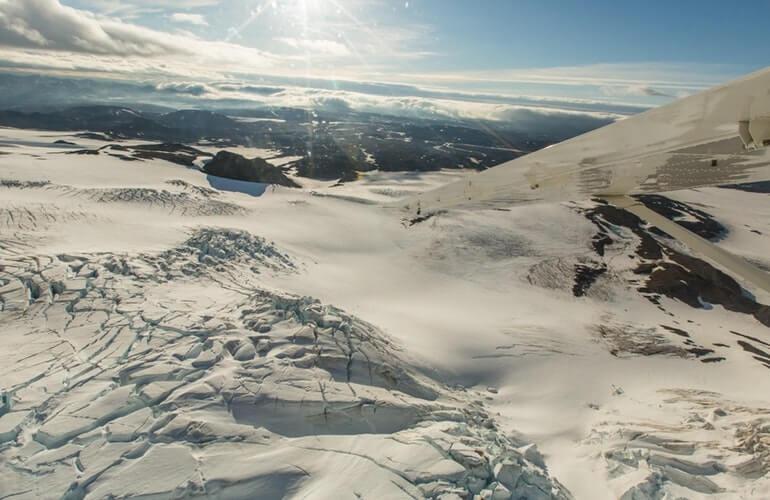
754 350
94 136
677 276
198 120
585 276
677 331
704 224
333 161
63 142
645 268
12 183
629 339
751 187
700 351
624 340
124 157
423 218
763 314
605 214
234 166
599 241
696 282
169 147
749 337
173 152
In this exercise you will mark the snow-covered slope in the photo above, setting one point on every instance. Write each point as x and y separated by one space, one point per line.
166 333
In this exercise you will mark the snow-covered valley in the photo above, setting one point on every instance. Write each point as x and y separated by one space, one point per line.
170 334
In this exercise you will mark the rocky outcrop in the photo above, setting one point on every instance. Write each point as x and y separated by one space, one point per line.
668 272
235 166
171 152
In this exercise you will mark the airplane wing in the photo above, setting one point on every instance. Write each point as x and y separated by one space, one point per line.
720 136
716 137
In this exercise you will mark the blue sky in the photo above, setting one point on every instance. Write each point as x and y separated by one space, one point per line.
636 54
498 34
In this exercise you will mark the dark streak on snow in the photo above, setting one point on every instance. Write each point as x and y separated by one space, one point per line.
422 218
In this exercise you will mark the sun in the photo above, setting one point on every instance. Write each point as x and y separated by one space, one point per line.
308 12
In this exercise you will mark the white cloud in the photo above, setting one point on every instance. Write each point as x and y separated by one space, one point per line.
129 8
423 107
35 31
186 18
652 74
186 4
45 33
317 47
637 83
639 90
192 88
47 24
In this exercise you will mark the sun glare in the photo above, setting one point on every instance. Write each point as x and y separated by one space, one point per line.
307 13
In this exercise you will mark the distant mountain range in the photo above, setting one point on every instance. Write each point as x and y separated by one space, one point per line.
122 122
330 145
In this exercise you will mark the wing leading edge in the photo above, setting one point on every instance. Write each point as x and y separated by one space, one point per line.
716 137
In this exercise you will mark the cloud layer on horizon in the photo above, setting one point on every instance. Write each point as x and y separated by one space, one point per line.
26 92
124 61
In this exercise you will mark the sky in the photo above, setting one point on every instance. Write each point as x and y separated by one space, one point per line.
481 58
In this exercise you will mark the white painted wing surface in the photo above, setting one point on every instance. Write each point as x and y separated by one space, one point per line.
712 138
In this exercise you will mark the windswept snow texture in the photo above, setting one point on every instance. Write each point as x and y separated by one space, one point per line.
163 337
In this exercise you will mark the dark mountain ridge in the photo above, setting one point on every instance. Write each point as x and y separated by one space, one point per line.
331 145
